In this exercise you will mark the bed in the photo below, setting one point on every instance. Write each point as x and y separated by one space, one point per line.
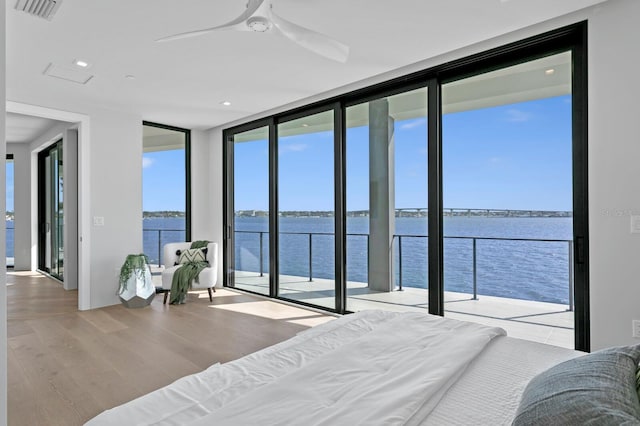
378 368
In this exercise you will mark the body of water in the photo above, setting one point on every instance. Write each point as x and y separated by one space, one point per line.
532 270
172 231
10 237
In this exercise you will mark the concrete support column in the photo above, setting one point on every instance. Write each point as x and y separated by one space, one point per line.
381 196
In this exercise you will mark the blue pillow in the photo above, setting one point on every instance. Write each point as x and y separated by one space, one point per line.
598 389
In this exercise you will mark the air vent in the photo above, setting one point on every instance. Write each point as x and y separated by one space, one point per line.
69 74
40 8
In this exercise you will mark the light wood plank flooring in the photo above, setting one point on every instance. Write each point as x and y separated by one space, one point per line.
66 366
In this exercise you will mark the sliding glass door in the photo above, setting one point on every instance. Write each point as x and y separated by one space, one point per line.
386 202
459 190
249 264
306 209
508 199
166 188
51 211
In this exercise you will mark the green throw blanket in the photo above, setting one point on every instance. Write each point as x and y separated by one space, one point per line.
184 275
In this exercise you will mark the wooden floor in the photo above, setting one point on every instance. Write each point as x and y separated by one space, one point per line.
66 366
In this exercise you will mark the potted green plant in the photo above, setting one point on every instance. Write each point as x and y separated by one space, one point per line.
136 288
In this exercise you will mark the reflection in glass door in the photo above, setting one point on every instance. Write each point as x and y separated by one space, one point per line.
249 266
51 211
306 212
508 199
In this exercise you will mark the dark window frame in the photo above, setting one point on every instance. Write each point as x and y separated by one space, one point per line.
41 207
187 171
570 38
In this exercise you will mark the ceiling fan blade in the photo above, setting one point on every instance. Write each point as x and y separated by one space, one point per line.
314 41
237 24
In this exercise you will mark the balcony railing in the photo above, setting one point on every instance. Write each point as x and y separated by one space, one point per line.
400 241
156 238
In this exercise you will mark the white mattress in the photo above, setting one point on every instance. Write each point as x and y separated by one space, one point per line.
408 368
489 391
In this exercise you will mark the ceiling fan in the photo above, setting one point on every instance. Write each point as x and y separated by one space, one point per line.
259 17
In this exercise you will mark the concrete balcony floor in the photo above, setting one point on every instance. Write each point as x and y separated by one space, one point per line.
537 321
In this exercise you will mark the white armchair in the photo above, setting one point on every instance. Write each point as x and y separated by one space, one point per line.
208 276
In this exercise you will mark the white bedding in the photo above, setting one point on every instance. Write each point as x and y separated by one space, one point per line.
371 367
489 391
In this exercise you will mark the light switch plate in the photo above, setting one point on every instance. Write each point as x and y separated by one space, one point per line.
635 224
635 329
98 221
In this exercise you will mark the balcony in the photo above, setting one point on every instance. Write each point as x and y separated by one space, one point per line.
543 322
539 321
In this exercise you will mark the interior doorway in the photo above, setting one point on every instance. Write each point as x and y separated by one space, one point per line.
51 211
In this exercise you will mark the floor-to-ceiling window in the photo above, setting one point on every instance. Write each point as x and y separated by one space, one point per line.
386 202
306 209
508 198
250 260
447 190
165 188
51 210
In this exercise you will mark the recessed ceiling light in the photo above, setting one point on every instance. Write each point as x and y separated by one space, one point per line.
225 103
81 63
130 77
550 71
305 125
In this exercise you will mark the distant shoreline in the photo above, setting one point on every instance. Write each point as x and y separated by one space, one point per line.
417 212
162 214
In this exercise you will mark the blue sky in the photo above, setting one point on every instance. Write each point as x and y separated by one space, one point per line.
507 157
163 180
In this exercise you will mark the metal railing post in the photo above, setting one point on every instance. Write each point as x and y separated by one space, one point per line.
310 257
261 271
475 272
159 246
570 256
399 262
368 260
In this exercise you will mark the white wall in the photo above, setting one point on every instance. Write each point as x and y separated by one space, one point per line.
614 171
206 210
216 200
3 187
115 191
201 226
614 152
21 205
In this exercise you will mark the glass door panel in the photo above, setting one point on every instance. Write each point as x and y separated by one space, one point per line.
165 170
386 198
306 212
250 265
507 197
51 211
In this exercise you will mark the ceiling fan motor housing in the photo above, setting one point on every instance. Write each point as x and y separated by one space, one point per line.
258 24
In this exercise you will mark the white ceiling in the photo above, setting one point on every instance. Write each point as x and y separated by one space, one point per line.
183 82
25 128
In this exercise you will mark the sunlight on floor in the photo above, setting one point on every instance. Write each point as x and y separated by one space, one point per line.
265 309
